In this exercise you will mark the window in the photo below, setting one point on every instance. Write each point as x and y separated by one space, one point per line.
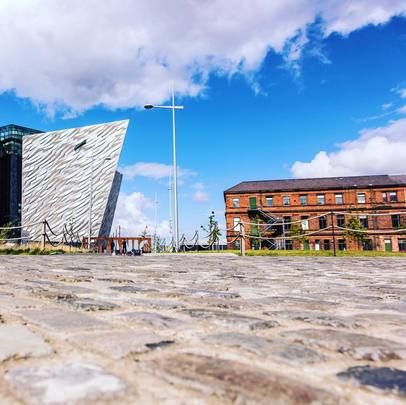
326 244
236 224
339 198
322 222
393 197
340 220
367 244
341 244
236 203
361 198
321 199
286 200
384 197
304 222
395 221
287 221
402 245
269 201
288 244
363 220
303 199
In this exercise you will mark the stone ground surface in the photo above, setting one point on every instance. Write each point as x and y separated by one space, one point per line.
202 329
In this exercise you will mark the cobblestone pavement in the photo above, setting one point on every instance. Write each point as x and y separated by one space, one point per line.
190 329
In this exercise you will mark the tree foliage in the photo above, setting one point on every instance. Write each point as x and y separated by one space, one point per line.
354 227
213 230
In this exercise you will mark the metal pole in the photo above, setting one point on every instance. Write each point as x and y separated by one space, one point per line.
90 202
283 233
242 239
44 223
334 235
175 174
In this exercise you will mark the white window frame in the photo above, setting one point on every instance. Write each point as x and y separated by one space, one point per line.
319 197
288 199
341 196
236 203
236 223
361 200
270 197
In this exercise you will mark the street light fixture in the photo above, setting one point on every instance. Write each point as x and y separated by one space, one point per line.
172 107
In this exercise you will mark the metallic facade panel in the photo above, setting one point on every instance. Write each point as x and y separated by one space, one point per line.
57 178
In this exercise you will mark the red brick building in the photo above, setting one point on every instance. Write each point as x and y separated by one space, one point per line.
348 213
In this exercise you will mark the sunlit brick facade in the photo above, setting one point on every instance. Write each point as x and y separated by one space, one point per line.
319 208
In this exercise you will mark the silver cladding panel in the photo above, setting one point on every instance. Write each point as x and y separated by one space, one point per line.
56 178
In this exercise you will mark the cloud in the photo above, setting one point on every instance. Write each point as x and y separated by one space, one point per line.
376 151
386 106
153 170
74 54
133 216
402 110
200 196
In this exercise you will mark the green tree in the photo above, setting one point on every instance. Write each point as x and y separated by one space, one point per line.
353 232
5 233
298 232
213 230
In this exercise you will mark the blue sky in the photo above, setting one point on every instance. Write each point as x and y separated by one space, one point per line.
323 98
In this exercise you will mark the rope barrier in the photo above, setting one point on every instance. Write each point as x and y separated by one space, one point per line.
373 231
356 214
19 226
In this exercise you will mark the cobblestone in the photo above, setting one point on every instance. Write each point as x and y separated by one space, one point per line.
213 329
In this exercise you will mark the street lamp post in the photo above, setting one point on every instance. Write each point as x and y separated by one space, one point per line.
173 107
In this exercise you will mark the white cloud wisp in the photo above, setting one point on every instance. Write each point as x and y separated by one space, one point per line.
376 151
74 54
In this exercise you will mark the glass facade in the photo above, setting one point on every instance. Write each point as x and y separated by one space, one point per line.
11 137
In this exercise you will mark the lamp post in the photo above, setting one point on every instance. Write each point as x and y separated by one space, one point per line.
172 107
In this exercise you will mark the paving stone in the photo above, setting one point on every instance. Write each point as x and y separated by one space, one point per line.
158 304
154 319
63 383
89 304
17 341
317 318
63 321
132 289
359 346
231 319
121 343
237 382
290 352
384 378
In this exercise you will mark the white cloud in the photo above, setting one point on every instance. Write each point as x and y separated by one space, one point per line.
402 92
70 55
153 170
133 215
386 106
402 110
376 151
200 196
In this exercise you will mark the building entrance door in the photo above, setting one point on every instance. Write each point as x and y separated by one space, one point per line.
388 245
253 203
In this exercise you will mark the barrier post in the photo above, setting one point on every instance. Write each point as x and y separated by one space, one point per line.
242 239
334 234
44 234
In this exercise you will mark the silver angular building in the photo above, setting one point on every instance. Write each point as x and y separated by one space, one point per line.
70 179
